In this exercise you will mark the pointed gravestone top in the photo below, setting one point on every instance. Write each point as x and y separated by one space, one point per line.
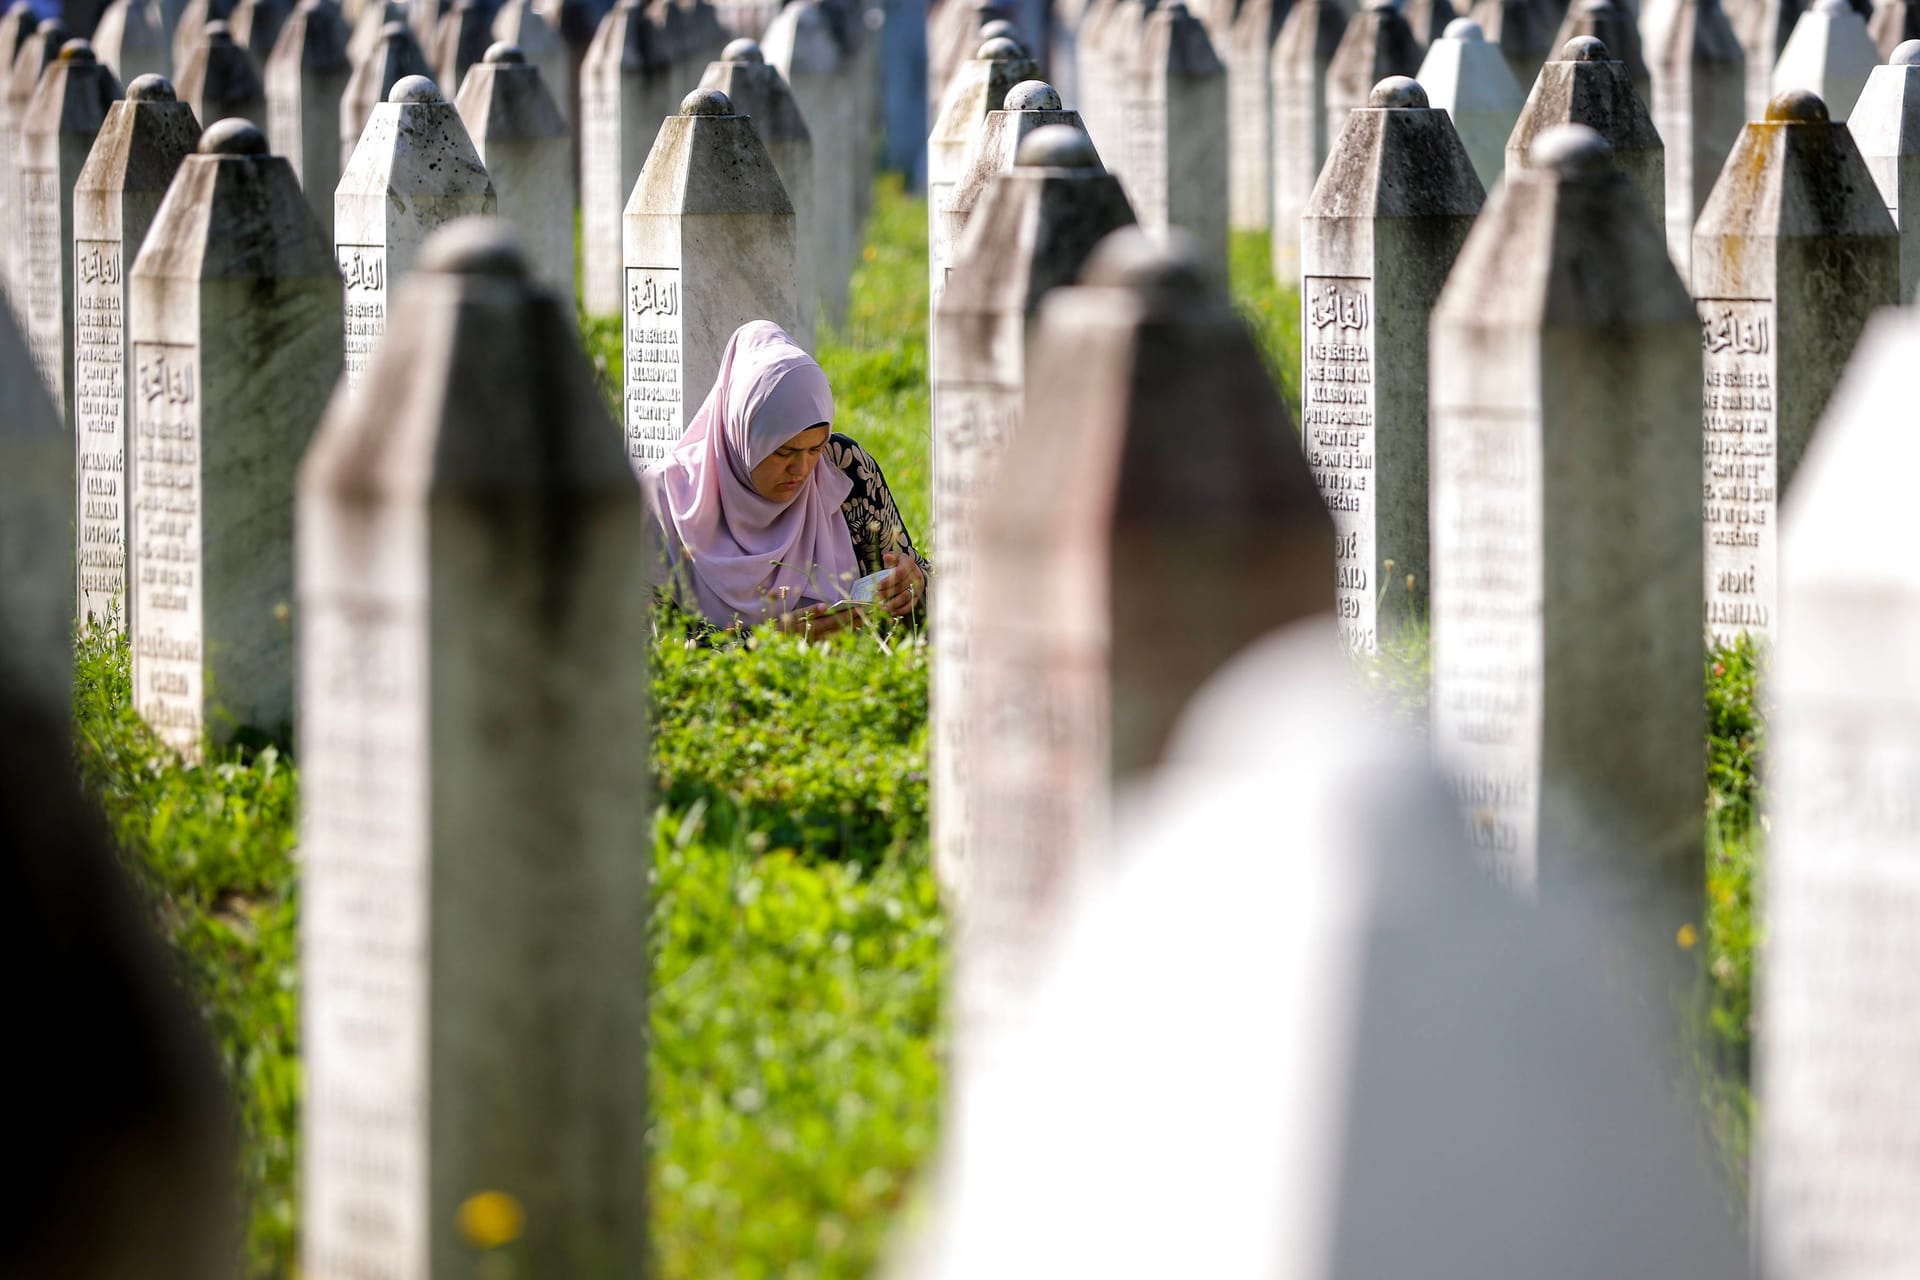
1587 85
155 88
742 50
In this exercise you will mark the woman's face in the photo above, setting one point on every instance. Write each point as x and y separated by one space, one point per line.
781 473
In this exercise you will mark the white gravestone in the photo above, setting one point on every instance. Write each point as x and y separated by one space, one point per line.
39 52
17 29
1392 208
1792 253
1307 42
392 58
523 140
1886 127
626 89
710 245
476 560
1467 78
1565 538
256 26
370 26
1614 26
1837 1170
235 329
759 92
1830 55
1587 85
521 24
36 521
1522 30
1376 44
800 45
190 26
220 79
1249 45
979 86
1893 23
1699 106
414 170
132 39
1032 231
461 40
1177 134
1763 27
115 199
306 78
68 108
1154 467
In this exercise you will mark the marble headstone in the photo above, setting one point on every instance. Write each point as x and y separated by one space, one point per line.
1376 44
1176 133
190 26
800 45
1565 539
1030 106
1586 85
626 89
1792 253
1391 210
462 38
415 170
979 86
1033 229
473 942
1522 30
220 79
40 51
523 140
132 39
1249 57
1829 55
36 522
1699 106
1894 22
235 329
392 58
306 78
1300 136
521 24
1886 127
115 198
1614 26
256 26
17 28
710 245
1468 79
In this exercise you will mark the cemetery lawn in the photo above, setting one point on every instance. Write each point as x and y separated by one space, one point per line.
798 945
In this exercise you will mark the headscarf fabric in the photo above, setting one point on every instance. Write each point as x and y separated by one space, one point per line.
749 558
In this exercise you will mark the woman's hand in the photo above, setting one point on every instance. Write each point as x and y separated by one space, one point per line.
902 590
818 623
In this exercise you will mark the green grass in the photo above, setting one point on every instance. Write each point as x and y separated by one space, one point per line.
798 946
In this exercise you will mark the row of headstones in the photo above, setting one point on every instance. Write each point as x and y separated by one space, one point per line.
1124 503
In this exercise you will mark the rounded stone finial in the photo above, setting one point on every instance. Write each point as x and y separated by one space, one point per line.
218 32
1132 259
706 102
504 51
151 88
1000 48
1597 8
1573 150
1057 146
1177 10
1380 6
1585 49
233 137
1032 95
415 89
79 53
1905 54
1000 29
742 50
1797 106
1397 91
476 246
1465 29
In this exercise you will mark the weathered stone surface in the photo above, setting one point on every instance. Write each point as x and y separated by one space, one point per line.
979 86
394 57
1613 25
479 559
1307 42
1830 55
1522 30
1030 106
1376 44
132 39
1834 1181
1468 79
115 198
63 117
1793 251
1566 544
219 79
521 24
415 170
369 25
1032 230
36 519
1699 106
190 27
1176 133
1154 465
626 88
1249 57
759 92
306 79
256 26
1351 1018
710 245
1894 22
800 44
37 52
523 140
460 41
1585 85
235 328
129 1135
17 28
1886 127
1392 208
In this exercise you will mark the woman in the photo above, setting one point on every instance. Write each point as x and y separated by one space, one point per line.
755 527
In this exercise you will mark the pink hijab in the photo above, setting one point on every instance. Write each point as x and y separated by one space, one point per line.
751 557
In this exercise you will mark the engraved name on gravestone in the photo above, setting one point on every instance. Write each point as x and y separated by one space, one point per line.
1337 427
363 268
653 395
1738 432
168 671
40 193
